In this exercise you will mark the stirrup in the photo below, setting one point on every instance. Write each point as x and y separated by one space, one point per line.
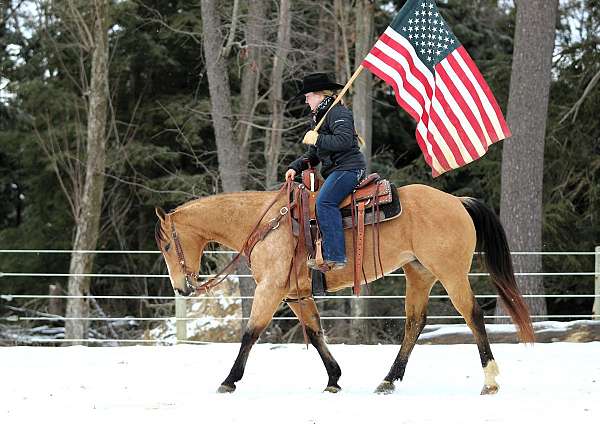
326 266
318 283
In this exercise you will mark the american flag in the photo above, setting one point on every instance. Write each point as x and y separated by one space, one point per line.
437 83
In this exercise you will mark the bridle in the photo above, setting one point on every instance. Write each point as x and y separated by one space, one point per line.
190 276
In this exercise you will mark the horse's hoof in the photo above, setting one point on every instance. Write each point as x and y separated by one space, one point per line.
489 390
385 388
332 389
223 388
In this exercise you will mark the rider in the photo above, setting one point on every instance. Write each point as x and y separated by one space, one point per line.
336 147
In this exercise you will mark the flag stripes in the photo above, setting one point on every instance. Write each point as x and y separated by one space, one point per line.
456 113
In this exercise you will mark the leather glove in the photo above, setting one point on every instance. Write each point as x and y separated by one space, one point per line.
310 137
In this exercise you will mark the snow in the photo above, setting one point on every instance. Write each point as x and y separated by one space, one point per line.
549 383
560 329
431 332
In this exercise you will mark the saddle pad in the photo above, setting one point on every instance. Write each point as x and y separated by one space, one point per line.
386 212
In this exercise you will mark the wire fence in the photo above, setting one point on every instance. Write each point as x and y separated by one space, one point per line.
179 301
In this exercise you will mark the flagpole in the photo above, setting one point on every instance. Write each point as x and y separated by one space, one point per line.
339 97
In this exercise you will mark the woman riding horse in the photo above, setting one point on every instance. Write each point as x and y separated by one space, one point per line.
336 147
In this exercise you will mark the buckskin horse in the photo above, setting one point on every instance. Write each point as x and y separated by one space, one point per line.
434 239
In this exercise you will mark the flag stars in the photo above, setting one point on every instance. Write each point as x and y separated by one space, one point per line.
428 32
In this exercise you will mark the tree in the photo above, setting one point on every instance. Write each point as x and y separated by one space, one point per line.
523 153
274 138
362 104
228 151
255 30
362 108
87 220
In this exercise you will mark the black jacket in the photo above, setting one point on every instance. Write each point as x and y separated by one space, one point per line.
336 148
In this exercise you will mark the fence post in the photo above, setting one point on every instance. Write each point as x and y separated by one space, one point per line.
596 308
180 323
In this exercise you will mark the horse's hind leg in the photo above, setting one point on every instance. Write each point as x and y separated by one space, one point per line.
309 313
265 303
463 300
418 286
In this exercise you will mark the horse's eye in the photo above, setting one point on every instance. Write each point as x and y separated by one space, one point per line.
167 247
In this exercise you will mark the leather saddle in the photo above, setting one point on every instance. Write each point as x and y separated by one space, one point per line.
361 208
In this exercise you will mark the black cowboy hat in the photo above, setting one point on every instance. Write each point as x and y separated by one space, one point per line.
317 82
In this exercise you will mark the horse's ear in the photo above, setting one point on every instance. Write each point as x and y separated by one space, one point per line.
160 213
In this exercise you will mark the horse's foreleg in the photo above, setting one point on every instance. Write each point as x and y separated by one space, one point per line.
418 286
265 303
309 313
463 300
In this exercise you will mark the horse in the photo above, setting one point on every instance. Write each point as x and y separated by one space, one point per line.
434 239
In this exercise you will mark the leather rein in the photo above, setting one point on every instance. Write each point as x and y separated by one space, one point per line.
258 233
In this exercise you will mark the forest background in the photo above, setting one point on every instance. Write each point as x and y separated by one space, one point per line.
110 108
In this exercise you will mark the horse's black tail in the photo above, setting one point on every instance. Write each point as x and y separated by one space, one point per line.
491 240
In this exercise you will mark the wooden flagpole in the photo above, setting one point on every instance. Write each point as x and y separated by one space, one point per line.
339 97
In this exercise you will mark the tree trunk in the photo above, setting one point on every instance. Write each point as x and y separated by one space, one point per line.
87 220
342 51
228 152
326 40
255 41
523 154
362 107
275 136
362 104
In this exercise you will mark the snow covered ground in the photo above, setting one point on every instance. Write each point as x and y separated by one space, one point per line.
546 383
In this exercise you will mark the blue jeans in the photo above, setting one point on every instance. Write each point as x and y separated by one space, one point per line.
338 185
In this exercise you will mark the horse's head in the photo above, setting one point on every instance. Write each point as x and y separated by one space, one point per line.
181 248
